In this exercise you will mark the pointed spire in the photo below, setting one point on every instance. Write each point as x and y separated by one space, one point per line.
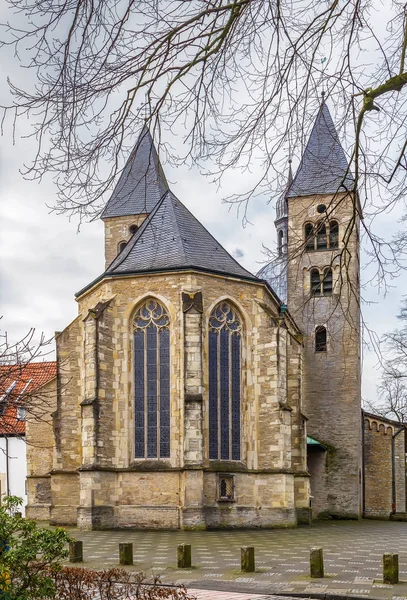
142 182
324 167
290 174
170 239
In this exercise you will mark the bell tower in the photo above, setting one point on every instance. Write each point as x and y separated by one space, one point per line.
323 296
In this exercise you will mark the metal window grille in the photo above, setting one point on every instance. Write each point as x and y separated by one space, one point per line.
226 487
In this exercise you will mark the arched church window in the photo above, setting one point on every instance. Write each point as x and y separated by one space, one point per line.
333 234
327 282
121 246
309 236
151 325
225 348
280 242
320 339
315 282
321 236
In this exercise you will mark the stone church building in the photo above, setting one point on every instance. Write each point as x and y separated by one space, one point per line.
194 394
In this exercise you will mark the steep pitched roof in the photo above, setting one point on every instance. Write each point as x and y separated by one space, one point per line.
172 238
142 183
323 165
18 383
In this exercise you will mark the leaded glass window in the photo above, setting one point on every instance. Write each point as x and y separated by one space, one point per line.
152 381
225 333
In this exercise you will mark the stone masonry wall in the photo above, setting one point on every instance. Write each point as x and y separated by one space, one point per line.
40 444
117 490
117 229
378 467
331 388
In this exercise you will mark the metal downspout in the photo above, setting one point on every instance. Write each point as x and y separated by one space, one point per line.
363 466
7 468
393 469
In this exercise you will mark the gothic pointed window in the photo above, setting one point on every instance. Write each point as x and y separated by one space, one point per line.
327 282
225 349
333 234
309 236
320 339
321 236
152 381
315 282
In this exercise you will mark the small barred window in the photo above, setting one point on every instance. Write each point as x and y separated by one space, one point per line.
226 488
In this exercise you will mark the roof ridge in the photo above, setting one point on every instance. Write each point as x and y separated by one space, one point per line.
209 233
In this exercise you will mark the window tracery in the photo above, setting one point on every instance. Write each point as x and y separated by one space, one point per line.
225 338
151 325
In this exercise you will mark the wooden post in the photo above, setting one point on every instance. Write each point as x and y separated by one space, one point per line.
126 554
184 556
390 568
75 551
316 563
247 559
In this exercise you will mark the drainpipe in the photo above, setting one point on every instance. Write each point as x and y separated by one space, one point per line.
363 467
7 468
393 469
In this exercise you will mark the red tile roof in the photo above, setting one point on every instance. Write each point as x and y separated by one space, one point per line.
17 383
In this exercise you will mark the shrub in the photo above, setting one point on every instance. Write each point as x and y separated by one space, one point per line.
29 555
75 583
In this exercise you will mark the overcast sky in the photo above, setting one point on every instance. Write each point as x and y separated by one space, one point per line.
44 260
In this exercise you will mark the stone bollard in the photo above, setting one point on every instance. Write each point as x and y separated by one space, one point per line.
390 568
184 556
316 563
247 559
75 551
126 554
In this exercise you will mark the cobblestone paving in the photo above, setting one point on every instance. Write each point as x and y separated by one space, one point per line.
352 555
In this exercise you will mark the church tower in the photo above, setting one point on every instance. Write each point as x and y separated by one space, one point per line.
321 277
324 299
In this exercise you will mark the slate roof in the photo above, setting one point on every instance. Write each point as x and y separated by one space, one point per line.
19 382
172 238
324 164
142 182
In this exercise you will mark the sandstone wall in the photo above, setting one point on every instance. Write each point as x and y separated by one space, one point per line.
331 379
40 444
95 419
378 467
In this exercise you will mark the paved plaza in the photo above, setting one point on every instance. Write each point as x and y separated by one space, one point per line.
352 554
